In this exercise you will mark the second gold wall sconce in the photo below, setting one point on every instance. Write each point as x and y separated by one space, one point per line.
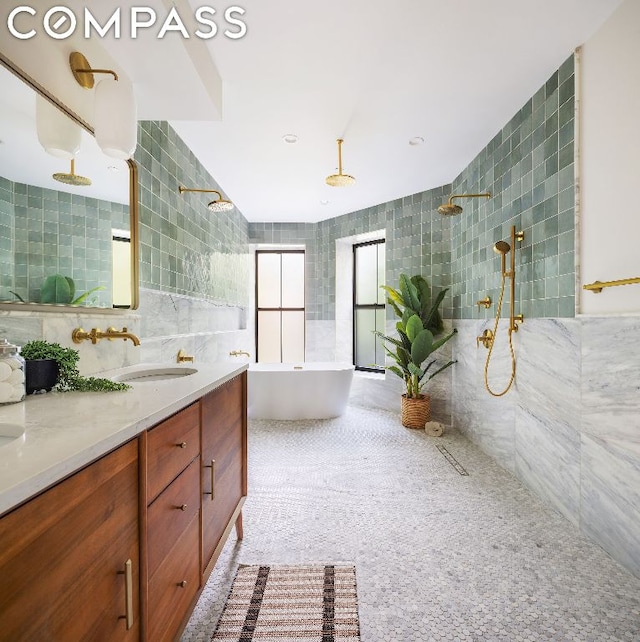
219 205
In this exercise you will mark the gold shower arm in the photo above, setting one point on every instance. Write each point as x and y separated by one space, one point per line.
597 286
484 194
182 189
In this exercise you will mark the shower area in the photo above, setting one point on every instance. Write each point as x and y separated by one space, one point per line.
565 422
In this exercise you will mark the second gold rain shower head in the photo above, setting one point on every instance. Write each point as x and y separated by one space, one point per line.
449 209
219 205
339 179
72 178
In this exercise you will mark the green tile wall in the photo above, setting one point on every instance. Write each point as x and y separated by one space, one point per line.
528 168
410 225
184 247
44 231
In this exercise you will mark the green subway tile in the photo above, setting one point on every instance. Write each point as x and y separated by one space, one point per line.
566 242
566 285
566 307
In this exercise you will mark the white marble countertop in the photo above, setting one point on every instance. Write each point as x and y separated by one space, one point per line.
65 431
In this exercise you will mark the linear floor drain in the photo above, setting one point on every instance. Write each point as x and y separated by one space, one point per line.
452 460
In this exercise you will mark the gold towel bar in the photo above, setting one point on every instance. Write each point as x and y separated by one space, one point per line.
597 286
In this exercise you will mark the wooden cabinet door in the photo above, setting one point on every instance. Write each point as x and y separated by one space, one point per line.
224 460
63 556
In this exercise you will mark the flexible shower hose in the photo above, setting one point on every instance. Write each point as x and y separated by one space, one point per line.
513 355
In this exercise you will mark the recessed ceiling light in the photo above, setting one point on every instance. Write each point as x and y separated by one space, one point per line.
416 140
290 138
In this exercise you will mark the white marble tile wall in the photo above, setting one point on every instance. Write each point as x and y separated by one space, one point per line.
19 327
321 342
570 427
488 421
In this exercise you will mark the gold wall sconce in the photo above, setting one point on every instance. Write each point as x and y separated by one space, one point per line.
219 205
339 179
115 121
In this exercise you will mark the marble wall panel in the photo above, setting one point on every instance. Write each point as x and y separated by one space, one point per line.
610 494
548 461
610 378
547 428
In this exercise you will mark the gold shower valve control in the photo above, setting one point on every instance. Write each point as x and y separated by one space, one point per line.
486 302
518 318
486 339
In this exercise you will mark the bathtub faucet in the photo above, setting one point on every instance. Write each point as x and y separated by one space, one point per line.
237 353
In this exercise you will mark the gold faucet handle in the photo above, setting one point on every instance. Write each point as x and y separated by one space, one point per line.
486 302
486 339
183 357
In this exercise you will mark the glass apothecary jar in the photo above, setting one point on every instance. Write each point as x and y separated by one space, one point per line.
12 377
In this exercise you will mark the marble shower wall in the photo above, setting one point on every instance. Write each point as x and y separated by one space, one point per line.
569 427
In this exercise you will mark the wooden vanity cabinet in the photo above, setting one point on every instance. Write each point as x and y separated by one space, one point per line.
172 560
69 557
224 466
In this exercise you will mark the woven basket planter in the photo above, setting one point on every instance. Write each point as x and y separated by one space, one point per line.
415 412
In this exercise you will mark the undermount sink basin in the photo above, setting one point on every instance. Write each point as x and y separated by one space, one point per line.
9 432
143 374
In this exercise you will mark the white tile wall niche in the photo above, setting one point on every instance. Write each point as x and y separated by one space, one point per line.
206 330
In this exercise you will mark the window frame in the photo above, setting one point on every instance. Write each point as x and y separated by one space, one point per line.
364 306
281 309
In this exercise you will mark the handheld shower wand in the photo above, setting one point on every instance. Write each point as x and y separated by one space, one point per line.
503 248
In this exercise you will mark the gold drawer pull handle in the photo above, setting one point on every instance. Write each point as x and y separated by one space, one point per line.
213 480
182 584
182 444
128 593
182 507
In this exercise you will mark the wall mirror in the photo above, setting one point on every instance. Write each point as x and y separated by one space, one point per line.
62 233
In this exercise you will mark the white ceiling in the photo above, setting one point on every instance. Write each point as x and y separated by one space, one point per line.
372 72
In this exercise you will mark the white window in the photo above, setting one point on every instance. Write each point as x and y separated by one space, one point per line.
280 306
368 305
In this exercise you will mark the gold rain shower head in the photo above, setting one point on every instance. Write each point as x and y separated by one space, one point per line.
72 178
219 205
339 179
451 209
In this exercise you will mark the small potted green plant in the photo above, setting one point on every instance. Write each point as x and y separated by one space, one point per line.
65 376
419 325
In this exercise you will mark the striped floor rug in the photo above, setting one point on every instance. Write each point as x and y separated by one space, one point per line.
308 603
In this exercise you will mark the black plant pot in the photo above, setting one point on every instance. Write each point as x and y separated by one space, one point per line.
40 374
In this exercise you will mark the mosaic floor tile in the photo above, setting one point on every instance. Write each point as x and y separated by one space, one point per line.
438 555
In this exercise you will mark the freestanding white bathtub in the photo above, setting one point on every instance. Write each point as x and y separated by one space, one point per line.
298 391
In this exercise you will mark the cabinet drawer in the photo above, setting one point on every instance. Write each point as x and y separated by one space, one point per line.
173 586
171 446
170 514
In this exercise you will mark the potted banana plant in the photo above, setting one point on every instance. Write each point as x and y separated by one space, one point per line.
419 324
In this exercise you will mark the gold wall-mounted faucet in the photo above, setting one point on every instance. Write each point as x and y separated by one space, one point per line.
95 334
183 357
237 353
